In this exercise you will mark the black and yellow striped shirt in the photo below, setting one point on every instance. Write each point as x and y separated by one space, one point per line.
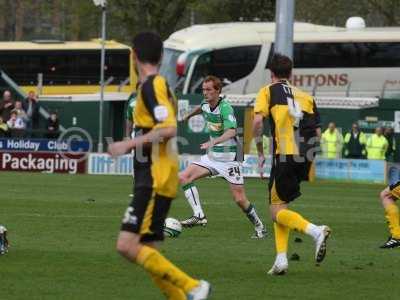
272 101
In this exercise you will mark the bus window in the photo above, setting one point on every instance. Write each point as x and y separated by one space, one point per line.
117 66
168 67
346 55
79 67
383 55
229 64
325 55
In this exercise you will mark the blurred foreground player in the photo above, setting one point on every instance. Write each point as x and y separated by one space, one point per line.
3 240
156 176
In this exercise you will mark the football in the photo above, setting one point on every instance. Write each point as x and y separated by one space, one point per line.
172 227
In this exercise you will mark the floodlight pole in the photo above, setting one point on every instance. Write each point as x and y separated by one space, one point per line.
102 85
284 20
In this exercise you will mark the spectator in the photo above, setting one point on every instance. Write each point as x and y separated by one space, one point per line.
354 143
31 106
3 128
20 111
52 126
377 145
331 142
6 106
389 135
16 125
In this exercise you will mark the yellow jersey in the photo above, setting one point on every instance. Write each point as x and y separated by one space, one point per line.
293 117
156 165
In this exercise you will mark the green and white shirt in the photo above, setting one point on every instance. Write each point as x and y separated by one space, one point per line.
130 111
131 107
219 120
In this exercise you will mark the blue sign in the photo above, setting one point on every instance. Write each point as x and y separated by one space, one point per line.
104 164
393 173
43 145
351 169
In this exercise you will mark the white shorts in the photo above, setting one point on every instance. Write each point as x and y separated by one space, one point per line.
230 170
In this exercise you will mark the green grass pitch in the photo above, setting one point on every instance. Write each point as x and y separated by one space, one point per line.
63 229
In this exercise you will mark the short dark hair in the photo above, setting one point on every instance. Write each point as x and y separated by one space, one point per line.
148 47
217 83
281 65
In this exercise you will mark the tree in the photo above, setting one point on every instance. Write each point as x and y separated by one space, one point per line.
234 10
375 12
19 19
138 15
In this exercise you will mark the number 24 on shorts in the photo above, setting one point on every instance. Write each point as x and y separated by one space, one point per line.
234 171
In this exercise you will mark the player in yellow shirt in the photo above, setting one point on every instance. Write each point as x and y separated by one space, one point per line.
295 127
388 199
156 176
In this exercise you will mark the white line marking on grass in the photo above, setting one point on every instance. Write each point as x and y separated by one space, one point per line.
59 216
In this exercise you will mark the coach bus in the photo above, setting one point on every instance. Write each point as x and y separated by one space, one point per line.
328 61
67 67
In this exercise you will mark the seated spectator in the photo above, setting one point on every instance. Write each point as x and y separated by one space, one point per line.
6 106
16 125
377 145
354 143
52 126
331 142
20 111
31 107
3 128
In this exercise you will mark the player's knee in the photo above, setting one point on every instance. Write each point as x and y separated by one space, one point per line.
239 197
183 179
383 195
122 247
126 249
273 212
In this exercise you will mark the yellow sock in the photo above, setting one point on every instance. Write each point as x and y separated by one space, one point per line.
169 290
281 237
292 220
392 216
156 264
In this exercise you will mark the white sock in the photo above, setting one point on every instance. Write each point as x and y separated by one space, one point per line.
253 217
313 230
192 196
281 258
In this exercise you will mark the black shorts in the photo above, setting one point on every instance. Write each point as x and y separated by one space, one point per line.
287 172
146 214
395 190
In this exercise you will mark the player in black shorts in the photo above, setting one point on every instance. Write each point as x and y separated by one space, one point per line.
388 198
156 176
294 124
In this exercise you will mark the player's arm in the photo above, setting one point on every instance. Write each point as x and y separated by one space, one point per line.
261 111
194 112
153 136
258 129
228 134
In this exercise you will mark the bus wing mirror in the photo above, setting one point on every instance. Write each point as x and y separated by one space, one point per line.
226 81
181 64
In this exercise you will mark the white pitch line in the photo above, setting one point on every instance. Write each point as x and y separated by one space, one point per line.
59 216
